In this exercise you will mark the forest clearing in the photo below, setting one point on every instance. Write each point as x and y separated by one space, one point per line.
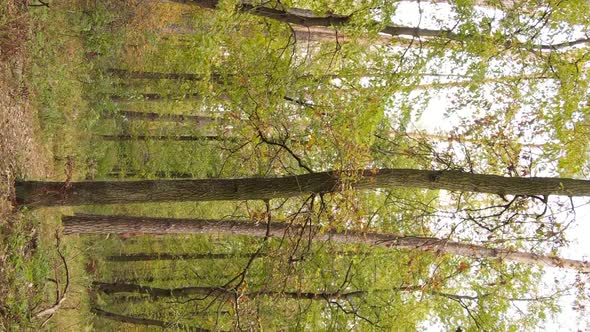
229 165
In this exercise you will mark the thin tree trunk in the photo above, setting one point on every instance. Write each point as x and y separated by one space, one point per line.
97 224
147 75
155 97
446 137
118 172
466 83
224 294
199 120
173 256
40 193
217 292
143 321
129 137
141 257
307 18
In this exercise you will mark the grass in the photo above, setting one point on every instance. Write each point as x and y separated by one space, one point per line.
23 271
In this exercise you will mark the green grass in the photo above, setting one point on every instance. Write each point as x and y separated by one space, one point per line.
24 271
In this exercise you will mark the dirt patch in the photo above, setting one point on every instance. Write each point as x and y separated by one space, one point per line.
21 156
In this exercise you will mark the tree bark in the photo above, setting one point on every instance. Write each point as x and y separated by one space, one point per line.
307 18
97 224
40 193
143 321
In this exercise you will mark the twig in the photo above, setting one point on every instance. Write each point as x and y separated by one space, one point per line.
60 298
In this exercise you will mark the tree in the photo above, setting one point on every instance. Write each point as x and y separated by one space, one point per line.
130 137
39 193
94 224
143 321
307 18
155 97
198 120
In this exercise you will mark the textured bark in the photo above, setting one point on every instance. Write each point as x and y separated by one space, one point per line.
143 321
39 193
307 18
96 224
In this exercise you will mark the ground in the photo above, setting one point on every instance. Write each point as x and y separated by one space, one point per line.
23 266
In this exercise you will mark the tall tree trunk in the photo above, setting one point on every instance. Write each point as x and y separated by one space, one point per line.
96 224
141 257
222 294
143 321
199 120
155 97
118 172
129 137
147 75
41 193
225 294
307 18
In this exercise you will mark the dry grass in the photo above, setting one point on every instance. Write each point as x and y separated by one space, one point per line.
13 28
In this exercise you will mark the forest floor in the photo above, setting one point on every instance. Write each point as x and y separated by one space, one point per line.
27 238
21 156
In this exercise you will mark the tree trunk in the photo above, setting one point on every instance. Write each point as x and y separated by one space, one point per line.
129 137
219 293
143 321
96 224
141 257
173 256
307 18
40 193
147 75
225 294
199 120
118 172
155 97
